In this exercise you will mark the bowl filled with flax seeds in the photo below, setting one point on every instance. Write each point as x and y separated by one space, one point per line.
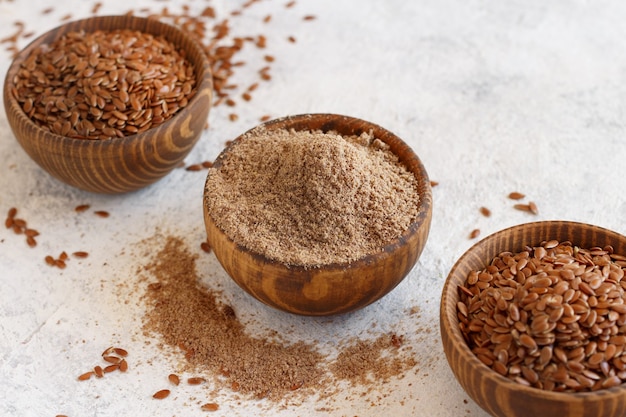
109 104
533 321
317 214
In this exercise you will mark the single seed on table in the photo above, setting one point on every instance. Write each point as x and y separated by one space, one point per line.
159 395
194 167
98 371
82 207
195 381
516 195
101 213
80 254
485 211
123 365
474 234
210 407
174 379
85 376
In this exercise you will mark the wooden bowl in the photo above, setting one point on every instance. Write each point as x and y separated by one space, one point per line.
496 394
120 164
335 288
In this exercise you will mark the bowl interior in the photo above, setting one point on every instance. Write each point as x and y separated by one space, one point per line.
333 288
119 164
497 394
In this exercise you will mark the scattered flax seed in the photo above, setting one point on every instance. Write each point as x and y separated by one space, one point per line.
434 183
210 407
530 208
246 96
309 17
111 368
474 234
205 246
195 381
233 117
66 17
123 365
194 167
80 254
85 376
120 352
291 39
265 118
516 195
267 18
290 4
47 10
101 213
96 7
159 395
207 164
174 379
111 359
97 370
19 227
81 208
485 211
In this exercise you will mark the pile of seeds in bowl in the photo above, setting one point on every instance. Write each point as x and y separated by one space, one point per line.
104 84
551 317
311 198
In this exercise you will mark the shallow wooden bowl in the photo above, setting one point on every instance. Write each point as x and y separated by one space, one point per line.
497 394
120 164
335 288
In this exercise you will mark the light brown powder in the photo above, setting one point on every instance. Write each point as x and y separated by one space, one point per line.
192 318
186 315
311 198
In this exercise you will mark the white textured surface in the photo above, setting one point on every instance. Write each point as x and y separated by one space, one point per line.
493 96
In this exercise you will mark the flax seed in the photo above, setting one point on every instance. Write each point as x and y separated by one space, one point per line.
174 379
516 195
82 207
569 334
85 376
159 395
210 407
195 381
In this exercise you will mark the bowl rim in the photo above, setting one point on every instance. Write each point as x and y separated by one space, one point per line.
202 74
448 306
422 218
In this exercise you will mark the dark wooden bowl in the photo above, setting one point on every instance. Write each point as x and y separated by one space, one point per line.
497 394
120 164
336 288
